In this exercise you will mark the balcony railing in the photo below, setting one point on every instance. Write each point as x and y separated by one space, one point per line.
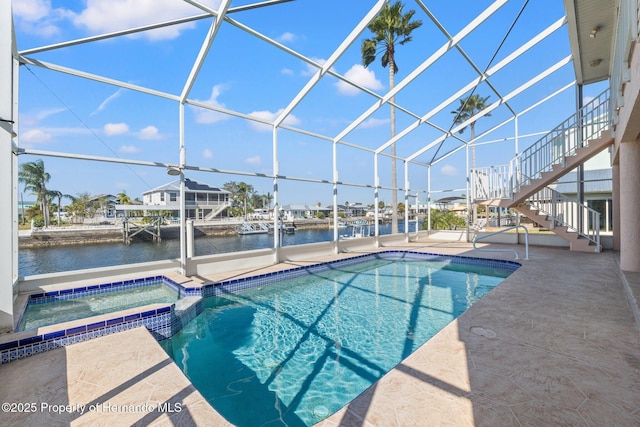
627 31
587 123
502 182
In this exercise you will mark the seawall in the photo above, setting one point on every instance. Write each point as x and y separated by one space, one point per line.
112 234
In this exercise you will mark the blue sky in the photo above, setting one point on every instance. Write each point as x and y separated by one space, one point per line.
67 114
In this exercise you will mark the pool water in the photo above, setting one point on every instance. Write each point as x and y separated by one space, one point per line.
63 310
294 352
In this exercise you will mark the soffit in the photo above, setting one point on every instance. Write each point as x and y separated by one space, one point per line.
591 29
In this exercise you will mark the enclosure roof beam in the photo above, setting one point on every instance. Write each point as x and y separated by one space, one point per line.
492 107
97 78
462 52
204 49
421 68
355 33
518 52
209 14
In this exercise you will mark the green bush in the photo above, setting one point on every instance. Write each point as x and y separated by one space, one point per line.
444 220
38 221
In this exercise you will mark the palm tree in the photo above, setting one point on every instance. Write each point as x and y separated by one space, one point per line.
268 198
469 107
79 206
123 198
390 27
59 195
240 192
35 179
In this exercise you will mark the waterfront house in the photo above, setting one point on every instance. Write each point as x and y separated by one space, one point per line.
300 211
202 201
353 209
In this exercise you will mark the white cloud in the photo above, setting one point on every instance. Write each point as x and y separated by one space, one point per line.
106 101
128 149
449 170
37 17
287 37
31 10
373 122
205 116
35 136
103 16
287 71
150 133
360 75
255 160
31 119
270 116
207 154
111 129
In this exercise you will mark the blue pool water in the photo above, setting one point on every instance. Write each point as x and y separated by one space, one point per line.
50 311
292 353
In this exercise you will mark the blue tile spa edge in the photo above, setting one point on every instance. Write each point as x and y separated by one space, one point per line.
157 321
162 322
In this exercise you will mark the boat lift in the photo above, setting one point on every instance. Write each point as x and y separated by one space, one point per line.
131 228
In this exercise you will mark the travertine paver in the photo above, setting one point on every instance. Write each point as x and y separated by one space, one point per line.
116 380
555 344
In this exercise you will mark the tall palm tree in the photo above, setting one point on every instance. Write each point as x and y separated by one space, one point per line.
390 27
245 192
35 178
469 107
268 197
59 195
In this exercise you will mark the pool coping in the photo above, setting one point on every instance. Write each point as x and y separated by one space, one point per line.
97 289
468 382
164 320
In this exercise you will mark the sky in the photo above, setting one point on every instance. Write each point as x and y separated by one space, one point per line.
252 77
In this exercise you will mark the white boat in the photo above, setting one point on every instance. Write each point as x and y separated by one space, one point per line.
360 229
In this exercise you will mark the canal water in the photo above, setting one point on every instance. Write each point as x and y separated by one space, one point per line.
43 260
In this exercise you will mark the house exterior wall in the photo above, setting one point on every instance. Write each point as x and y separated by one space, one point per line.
627 158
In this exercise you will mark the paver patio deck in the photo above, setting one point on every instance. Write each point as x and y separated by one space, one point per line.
555 344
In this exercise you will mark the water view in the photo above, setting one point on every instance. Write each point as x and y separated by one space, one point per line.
75 257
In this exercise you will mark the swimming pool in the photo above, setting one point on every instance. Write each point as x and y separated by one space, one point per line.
54 307
295 351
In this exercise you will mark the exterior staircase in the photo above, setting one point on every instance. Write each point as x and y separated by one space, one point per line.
556 212
523 183
215 212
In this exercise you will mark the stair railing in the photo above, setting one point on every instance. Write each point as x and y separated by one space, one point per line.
494 182
565 212
503 181
587 123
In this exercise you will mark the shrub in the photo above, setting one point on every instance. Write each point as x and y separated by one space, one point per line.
38 221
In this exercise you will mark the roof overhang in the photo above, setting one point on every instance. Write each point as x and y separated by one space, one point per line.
591 25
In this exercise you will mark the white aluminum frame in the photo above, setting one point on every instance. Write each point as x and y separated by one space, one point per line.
223 16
